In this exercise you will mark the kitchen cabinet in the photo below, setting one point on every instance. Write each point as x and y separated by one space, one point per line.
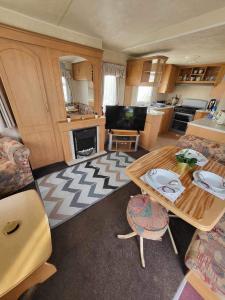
201 74
200 114
166 120
207 129
150 134
168 80
145 71
134 72
83 71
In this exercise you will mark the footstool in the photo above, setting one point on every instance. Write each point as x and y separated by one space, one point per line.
148 219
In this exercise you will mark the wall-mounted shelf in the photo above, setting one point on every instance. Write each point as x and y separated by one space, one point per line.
196 82
200 74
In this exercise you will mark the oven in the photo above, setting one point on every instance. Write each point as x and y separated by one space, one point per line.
185 113
180 121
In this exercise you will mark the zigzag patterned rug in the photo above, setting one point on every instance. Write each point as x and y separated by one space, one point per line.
68 192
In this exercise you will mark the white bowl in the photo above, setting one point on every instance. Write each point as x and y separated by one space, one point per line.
210 180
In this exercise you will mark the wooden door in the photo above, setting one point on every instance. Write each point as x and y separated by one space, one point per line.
23 79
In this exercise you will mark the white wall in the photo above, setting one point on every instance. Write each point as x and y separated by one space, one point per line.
221 105
195 91
192 91
115 57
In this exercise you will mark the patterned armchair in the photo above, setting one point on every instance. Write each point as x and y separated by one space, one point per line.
15 171
207 147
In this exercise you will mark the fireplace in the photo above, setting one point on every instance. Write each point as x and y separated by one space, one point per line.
75 138
85 142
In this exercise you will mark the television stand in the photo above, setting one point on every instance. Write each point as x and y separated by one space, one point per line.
123 140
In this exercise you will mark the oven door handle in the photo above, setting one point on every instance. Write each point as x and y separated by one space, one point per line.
183 114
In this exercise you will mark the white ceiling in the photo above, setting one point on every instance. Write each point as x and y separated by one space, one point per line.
192 28
201 47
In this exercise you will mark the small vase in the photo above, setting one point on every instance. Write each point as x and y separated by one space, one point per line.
183 168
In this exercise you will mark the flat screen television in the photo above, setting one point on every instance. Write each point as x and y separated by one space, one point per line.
125 117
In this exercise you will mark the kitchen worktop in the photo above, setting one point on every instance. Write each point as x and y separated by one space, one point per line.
155 112
203 110
161 108
208 124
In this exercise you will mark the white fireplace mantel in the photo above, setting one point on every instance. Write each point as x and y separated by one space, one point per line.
65 129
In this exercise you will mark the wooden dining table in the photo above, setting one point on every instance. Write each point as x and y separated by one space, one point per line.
195 206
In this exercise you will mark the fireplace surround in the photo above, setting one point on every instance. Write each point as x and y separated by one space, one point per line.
69 130
85 141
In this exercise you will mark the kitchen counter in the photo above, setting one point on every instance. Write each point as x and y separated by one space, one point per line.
155 112
162 108
207 129
208 124
150 134
203 110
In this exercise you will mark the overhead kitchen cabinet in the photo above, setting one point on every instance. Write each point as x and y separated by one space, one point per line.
83 71
168 80
134 72
145 71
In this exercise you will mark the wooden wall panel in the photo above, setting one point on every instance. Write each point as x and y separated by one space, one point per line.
30 72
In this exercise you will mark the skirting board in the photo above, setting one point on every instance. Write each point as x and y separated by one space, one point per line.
79 160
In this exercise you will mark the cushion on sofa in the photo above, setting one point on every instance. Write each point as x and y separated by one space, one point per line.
207 147
15 171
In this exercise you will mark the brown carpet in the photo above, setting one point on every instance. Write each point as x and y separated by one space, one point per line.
93 264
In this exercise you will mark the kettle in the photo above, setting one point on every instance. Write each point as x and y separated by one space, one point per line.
220 118
175 100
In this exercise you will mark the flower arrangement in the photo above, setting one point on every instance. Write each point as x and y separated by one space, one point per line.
184 158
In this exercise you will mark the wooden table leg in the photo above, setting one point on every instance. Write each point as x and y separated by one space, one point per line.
40 275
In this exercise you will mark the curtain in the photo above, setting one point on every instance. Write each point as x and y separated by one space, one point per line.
115 70
6 118
115 89
66 83
109 93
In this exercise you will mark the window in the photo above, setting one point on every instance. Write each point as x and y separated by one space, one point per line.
66 90
144 95
109 94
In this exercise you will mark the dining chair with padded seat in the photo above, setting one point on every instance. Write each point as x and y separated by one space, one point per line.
147 218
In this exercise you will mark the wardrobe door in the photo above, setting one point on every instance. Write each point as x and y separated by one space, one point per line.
21 73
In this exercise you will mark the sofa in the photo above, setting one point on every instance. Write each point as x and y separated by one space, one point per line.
15 171
210 149
205 256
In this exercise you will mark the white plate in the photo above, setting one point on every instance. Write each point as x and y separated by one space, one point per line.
210 181
164 180
201 159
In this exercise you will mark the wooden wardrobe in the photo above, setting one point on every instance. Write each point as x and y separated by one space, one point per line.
30 72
